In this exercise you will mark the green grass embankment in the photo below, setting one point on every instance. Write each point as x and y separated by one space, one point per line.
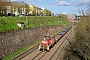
10 23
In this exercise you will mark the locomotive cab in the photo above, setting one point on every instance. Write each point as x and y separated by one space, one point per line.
46 43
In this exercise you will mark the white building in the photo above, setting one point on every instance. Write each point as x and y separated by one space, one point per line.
18 7
42 8
31 8
37 9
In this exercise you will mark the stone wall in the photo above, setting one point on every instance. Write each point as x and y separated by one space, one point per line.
12 41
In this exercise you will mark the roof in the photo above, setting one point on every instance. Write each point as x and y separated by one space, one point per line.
5 3
18 2
39 8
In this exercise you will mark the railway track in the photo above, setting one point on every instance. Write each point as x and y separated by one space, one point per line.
20 56
40 55
59 50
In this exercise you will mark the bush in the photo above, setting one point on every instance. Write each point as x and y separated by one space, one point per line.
2 14
81 47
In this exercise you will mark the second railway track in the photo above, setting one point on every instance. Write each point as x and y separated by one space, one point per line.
59 50
39 56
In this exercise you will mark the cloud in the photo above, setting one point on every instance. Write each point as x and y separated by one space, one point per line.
29 0
16 0
88 2
64 13
40 0
51 2
71 2
56 1
80 2
26 0
63 3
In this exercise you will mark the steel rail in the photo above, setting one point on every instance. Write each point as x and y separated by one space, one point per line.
41 53
60 46
63 46
25 53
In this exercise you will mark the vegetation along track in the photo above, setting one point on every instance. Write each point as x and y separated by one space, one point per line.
20 56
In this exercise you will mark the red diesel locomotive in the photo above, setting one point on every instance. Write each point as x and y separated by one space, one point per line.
47 43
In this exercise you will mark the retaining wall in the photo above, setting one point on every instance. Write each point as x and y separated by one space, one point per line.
12 41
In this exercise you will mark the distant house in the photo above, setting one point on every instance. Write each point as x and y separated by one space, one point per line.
5 6
39 10
71 17
31 8
18 7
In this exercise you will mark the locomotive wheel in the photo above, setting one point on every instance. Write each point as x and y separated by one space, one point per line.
47 50
52 45
55 42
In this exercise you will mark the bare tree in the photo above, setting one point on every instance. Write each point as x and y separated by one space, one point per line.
81 10
88 10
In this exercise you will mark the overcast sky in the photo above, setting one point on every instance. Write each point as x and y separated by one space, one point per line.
60 6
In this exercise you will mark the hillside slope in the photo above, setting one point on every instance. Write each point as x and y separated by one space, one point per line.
10 23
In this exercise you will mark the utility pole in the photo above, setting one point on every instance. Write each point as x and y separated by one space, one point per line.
36 11
27 21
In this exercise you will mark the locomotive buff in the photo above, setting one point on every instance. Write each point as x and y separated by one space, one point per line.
47 42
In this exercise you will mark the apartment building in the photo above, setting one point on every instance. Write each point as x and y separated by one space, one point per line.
5 6
18 7
31 9
35 9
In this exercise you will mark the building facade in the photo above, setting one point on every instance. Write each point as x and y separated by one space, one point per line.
31 9
5 6
71 17
34 10
18 7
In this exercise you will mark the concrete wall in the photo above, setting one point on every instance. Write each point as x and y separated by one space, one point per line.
12 41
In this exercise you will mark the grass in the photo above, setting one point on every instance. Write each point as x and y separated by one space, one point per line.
88 57
10 23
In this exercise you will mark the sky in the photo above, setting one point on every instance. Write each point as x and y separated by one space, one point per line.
60 6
